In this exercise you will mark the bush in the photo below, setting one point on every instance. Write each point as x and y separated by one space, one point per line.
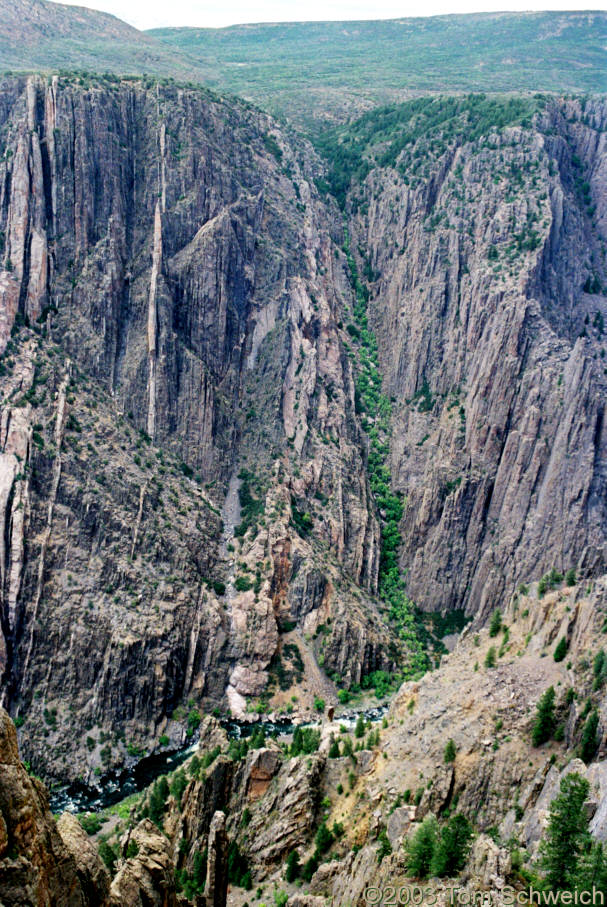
158 800
309 868
561 649
359 730
385 848
323 838
163 740
319 704
108 855
334 750
544 721
91 822
238 868
570 577
450 751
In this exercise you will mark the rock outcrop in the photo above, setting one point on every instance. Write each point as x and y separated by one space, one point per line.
37 868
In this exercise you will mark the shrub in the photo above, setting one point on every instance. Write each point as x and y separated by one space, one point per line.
238 868
561 649
490 657
323 838
309 868
305 741
158 799
385 848
319 704
359 730
570 577
91 822
334 750
163 740
108 855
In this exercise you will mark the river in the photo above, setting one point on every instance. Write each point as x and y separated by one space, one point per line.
115 786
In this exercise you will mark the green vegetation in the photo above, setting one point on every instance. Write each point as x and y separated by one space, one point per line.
391 137
375 409
306 740
590 740
496 623
91 822
567 835
293 867
436 851
238 868
450 751
287 64
545 723
251 498
561 649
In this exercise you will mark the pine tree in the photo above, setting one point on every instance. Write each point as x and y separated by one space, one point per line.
359 730
452 847
590 740
544 721
420 848
496 623
293 866
567 834
561 649
592 869
450 751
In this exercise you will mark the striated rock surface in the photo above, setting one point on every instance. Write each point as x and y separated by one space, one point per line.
486 251
182 473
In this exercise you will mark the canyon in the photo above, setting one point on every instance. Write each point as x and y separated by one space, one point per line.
278 415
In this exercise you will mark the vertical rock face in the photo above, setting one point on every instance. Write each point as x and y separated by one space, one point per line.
216 889
171 320
489 306
36 868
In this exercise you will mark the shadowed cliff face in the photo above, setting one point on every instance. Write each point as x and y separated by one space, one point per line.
489 307
170 304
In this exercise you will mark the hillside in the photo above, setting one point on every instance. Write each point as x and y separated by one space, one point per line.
42 36
313 70
308 72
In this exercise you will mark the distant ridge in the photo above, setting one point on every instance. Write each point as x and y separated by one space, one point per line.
312 71
38 35
342 66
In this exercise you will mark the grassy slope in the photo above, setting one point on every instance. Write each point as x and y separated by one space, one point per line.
352 64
